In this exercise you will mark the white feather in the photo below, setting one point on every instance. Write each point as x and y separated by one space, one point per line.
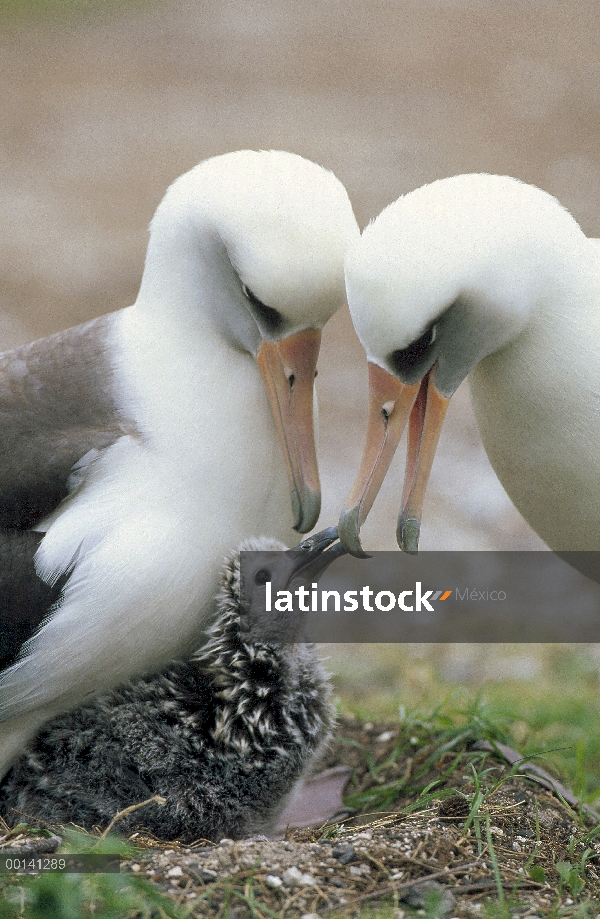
150 519
514 286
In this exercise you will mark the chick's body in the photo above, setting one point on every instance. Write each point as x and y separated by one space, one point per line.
224 737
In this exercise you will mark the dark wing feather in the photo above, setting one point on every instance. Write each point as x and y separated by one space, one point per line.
56 404
25 600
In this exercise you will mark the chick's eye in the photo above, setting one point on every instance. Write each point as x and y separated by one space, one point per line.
262 576
404 359
265 314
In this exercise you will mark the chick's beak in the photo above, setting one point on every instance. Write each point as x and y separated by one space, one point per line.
391 403
288 369
313 556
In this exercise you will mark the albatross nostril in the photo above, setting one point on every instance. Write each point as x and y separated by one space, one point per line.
386 410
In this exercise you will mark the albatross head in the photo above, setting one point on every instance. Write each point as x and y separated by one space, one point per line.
259 239
242 601
444 277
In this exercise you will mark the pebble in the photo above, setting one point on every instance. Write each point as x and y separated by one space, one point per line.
205 874
293 877
344 853
273 881
175 872
387 735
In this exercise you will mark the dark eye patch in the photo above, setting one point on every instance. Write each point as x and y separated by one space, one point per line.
272 320
406 359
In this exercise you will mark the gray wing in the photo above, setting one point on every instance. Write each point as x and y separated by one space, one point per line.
57 403
25 600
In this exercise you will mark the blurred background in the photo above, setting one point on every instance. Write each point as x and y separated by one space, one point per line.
103 104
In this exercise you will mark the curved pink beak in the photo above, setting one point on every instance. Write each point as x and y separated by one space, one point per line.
391 405
288 369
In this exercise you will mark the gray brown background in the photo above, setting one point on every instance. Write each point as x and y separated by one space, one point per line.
103 106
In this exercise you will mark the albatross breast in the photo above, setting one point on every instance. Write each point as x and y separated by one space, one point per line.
191 417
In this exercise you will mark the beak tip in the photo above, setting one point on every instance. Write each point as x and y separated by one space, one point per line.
318 541
349 532
407 534
306 510
314 555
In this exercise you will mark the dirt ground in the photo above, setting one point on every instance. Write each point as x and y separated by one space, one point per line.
440 829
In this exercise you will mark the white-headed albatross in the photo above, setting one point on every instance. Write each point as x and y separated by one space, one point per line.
143 442
486 276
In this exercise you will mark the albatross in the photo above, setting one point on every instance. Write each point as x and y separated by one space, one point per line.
146 442
224 738
484 276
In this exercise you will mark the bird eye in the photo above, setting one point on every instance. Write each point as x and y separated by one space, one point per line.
250 296
406 359
272 320
262 576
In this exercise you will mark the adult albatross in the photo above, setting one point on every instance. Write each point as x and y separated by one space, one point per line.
143 442
487 276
